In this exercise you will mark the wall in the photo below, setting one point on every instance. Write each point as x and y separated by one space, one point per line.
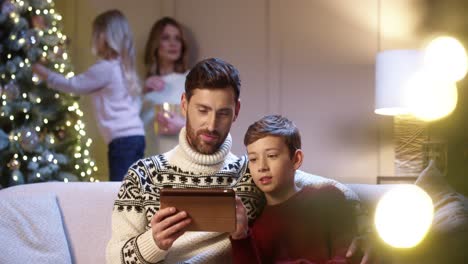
312 61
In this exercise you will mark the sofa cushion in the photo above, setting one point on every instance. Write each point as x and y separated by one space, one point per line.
450 213
31 229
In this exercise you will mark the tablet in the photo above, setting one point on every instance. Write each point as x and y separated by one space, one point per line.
211 210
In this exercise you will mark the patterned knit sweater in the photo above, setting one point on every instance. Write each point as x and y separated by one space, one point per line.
181 167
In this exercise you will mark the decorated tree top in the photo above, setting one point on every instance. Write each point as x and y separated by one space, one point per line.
42 136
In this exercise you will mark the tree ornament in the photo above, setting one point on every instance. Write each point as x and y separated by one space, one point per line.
3 19
33 166
46 171
66 176
17 60
47 156
4 140
38 22
38 4
54 168
28 139
14 164
61 159
2 69
50 40
32 36
49 140
61 134
34 54
16 177
33 97
34 176
11 91
6 110
22 8
24 106
8 7
22 24
11 67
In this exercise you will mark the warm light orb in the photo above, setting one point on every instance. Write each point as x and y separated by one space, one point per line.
430 98
403 216
446 57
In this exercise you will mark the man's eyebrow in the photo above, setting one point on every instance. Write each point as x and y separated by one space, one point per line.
209 108
202 105
225 109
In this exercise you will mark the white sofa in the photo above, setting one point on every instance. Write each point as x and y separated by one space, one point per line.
86 213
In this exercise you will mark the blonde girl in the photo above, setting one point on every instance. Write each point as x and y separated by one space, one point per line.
114 88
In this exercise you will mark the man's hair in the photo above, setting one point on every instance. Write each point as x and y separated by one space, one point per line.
275 125
213 73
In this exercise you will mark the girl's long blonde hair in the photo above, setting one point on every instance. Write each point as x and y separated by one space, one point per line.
114 27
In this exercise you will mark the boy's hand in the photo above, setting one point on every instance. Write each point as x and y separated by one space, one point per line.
167 225
41 71
241 221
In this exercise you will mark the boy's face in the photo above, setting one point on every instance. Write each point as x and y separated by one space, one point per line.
210 114
272 168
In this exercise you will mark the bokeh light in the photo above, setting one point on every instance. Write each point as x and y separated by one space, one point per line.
446 57
430 97
403 216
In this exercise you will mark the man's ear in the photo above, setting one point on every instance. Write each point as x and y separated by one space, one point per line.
237 109
184 105
298 158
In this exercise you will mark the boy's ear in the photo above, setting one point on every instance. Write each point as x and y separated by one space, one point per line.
298 158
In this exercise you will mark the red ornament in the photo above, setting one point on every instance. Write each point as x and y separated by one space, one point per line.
38 22
61 134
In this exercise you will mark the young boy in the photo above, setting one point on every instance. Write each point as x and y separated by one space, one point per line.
312 225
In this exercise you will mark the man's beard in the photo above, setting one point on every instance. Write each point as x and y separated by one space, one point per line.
203 147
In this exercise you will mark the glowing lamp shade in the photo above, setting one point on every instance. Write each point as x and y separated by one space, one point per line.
446 57
403 216
429 97
394 69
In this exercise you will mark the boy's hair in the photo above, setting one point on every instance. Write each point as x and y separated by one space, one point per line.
152 46
275 125
119 41
213 73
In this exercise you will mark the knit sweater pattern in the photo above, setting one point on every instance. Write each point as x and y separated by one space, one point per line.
182 167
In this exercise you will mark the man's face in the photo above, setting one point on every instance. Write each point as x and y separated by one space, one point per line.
210 114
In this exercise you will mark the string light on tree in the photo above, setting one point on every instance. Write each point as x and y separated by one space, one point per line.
42 132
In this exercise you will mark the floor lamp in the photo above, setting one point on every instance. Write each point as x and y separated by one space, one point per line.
394 71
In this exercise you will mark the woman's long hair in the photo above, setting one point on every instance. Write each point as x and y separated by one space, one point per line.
114 27
152 46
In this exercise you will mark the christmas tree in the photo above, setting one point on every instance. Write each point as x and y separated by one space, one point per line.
42 136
